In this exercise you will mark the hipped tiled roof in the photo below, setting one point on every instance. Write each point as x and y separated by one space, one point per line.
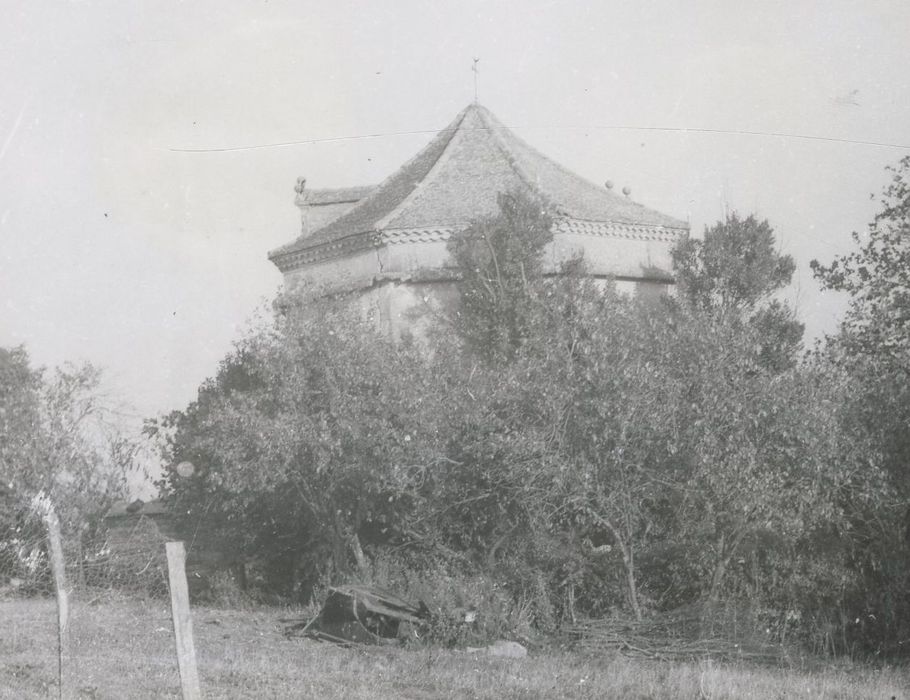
457 178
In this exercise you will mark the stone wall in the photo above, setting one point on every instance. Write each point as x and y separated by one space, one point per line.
405 287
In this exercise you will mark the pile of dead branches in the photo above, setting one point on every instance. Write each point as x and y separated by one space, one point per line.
679 635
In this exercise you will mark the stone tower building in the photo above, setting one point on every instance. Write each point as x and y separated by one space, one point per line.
387 243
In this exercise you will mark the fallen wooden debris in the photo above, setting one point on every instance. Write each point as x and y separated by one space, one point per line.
675 636
361 615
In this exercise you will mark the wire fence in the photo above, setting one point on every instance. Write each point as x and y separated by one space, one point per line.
76 611
129 559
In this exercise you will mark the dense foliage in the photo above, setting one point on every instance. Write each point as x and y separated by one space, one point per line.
58 443
583 452
501 263
734 271
872 348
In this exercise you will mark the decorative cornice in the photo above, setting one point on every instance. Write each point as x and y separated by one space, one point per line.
328 250
611 229
342 247
563 225
419 235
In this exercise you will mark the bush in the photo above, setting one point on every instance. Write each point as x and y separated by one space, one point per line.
452 593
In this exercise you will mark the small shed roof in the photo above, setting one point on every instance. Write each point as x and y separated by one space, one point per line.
122 509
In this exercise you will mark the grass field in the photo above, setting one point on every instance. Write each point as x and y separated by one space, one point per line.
123 648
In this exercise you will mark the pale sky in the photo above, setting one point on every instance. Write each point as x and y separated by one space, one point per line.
120 248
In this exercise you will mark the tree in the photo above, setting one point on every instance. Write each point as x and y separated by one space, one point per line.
58 435
874 338
763 458
876 279
735 271
872 346
306 444
58 441
632 408
674 435
618 433
20 419
500 261
20 425
734 268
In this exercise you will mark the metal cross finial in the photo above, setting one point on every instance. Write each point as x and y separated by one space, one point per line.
474 68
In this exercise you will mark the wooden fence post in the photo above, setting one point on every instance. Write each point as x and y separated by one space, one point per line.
58 569
183 622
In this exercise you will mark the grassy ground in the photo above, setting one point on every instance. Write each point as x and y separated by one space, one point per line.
124 649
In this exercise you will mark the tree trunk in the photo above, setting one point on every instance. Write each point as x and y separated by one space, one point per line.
709 612
570 602
359 555
717 577
339 546
239 570
297 577
629 561
725 552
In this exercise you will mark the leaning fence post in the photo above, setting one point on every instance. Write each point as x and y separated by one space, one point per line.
183 622
55 550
